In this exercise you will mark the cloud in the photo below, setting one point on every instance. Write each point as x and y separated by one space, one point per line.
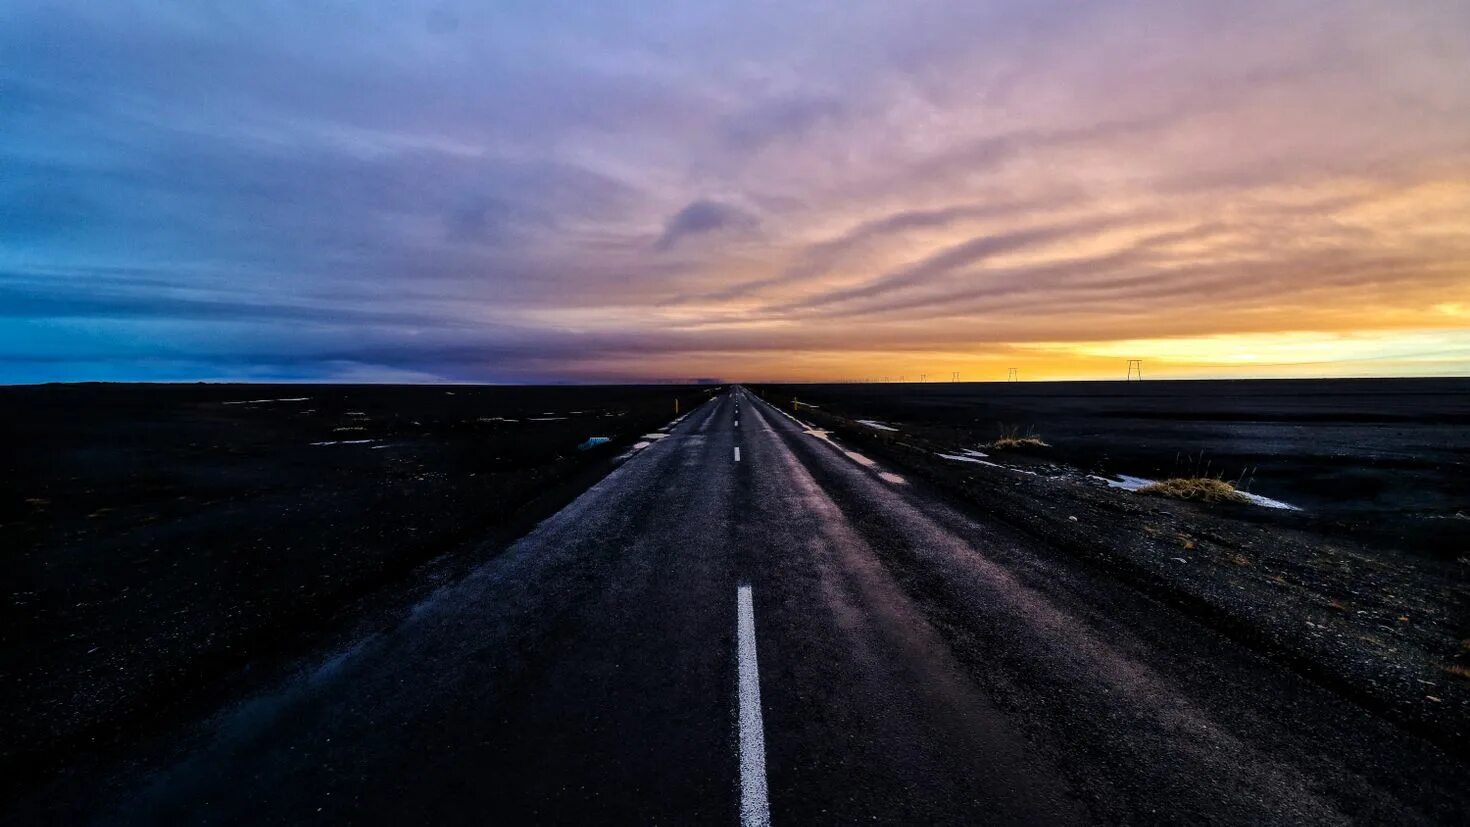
550 191
705 217
950 259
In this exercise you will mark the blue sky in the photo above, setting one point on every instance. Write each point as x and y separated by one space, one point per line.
542 191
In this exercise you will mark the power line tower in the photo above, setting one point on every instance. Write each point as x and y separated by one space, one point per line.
1135 370
1013 376
955 376
923 377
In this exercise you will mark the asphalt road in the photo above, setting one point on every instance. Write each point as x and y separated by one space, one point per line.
747 623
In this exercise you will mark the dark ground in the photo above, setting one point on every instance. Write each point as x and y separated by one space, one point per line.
162 540
1367 592
1391 456
919 663
957 643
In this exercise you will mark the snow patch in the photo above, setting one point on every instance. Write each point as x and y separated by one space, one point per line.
263 401
968 458
974 456
1124 482
878 426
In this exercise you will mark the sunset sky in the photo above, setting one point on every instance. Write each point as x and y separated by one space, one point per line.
538 191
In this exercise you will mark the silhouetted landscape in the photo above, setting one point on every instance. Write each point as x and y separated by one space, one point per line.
162 538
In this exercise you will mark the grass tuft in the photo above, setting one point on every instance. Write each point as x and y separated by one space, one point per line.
1012 442
1203 489
1459 670
1013 439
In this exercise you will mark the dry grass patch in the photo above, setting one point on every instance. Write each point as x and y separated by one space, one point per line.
1013 439
1203 489
1459 670
1012 442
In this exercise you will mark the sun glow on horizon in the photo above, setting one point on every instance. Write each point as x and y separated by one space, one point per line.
1275 188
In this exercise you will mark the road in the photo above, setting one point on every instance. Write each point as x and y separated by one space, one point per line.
749 623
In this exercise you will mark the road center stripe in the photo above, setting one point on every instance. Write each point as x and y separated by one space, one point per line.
755 808
737 453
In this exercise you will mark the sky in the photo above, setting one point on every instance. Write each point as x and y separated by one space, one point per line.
582 192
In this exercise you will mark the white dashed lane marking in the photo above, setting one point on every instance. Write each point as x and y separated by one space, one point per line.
755 808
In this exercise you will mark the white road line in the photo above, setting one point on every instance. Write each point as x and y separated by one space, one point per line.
737 423
755 808
737 453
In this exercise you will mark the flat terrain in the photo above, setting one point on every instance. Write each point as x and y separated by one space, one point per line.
1366 591
162 541
751 619
1392 455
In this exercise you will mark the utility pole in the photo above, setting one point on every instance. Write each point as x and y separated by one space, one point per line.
1135 369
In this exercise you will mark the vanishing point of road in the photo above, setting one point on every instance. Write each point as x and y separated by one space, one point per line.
748 623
